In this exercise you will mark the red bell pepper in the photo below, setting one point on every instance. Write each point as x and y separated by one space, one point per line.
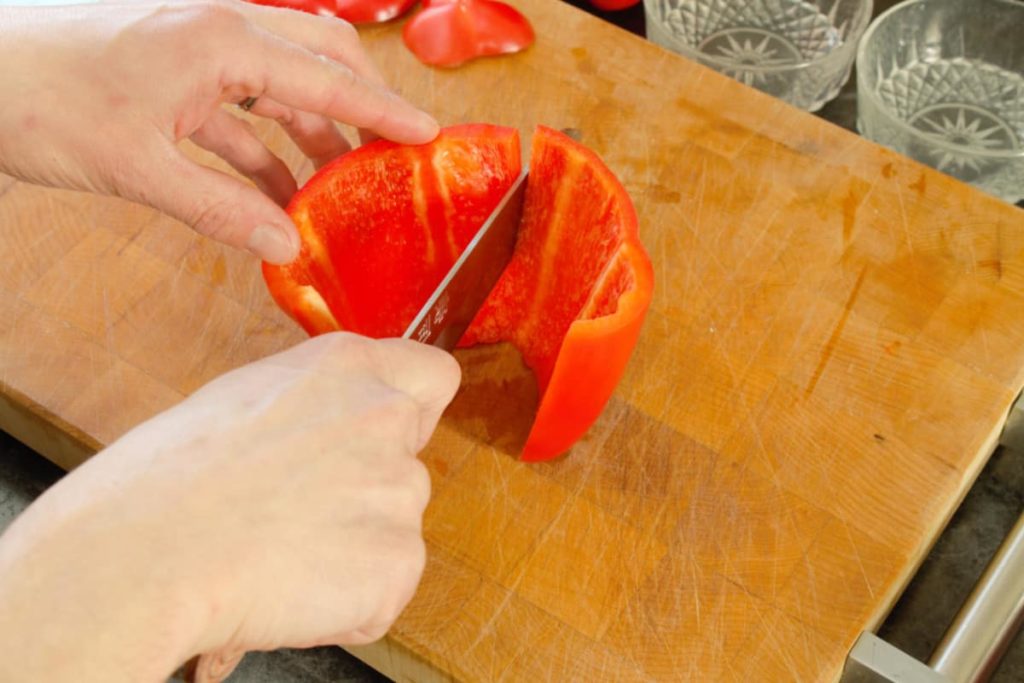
372 11
450 32
325 8
353 11
608 5
575 294
381 226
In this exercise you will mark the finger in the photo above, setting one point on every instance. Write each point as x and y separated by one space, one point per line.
361 636
217 205
427 374
216 667
295 77
328 36
366 136
317 136
235 141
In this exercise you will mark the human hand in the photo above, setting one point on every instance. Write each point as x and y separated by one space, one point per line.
278 506
96 97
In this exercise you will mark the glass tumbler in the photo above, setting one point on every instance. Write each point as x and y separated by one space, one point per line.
942 81
798 50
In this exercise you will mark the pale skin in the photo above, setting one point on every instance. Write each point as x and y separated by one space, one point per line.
281 504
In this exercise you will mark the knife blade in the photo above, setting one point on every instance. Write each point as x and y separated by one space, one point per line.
452 306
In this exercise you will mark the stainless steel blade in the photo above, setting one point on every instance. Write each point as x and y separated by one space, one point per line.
451 308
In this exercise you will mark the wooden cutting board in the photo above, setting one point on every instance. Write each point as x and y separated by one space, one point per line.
836 336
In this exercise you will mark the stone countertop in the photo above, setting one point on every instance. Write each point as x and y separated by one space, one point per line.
915 625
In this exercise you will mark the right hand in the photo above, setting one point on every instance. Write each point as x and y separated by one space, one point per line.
279 506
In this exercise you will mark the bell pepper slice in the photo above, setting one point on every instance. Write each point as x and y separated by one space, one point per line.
575 294
382 225
451 32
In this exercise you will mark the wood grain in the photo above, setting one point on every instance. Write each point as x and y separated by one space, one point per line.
836 336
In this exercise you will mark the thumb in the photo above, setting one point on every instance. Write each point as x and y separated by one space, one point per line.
221 207
427 374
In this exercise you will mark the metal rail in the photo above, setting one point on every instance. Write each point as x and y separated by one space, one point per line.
987 623
989 620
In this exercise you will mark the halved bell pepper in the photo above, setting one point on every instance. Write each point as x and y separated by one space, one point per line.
353 11
381 226
372 11
324 8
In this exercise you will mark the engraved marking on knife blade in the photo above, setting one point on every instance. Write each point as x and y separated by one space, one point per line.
437 312
437 316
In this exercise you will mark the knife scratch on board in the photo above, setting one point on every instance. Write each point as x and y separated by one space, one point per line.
857 556
830 345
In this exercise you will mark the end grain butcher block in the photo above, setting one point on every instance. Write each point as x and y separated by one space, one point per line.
835 338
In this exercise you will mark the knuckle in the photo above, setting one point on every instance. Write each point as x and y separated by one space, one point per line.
340 90
217 16
417 560
334 345
344 356
419 484
204 18
387 422
214 30
344 32
408 492
347 77
394 493
402 557
409 562
369 634
397 414
216 667
286 117
214 218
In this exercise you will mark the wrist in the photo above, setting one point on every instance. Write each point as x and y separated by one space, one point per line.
86 596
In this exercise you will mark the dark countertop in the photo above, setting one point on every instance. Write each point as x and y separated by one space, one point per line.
915 625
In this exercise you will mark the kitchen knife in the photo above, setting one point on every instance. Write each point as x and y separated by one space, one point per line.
451 308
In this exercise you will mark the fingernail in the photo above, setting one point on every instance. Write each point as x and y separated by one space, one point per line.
429 125
274 243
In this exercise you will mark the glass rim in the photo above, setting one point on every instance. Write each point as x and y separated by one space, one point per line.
902 124
848 45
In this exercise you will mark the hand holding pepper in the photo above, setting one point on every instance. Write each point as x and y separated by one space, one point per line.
96 97
278 506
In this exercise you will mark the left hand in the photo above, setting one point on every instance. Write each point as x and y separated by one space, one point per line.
96 97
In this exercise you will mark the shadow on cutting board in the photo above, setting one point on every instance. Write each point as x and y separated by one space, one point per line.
498 398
